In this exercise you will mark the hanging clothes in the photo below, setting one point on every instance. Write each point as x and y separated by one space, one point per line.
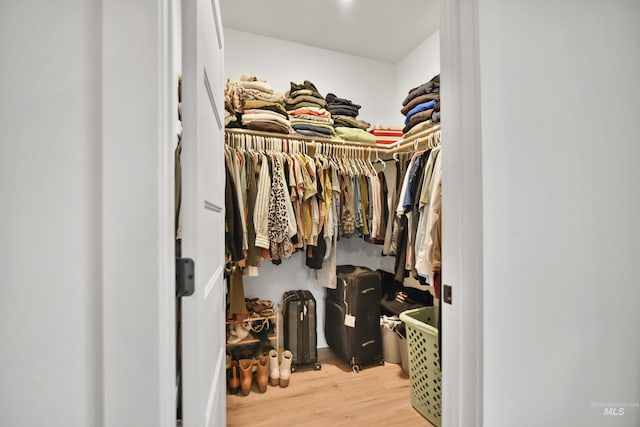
364 203
254 255
347 204
233 229
431 263
423 210
279 203
326 275
237 305
413 192
280 215
416 227
383 208
390 173
261 212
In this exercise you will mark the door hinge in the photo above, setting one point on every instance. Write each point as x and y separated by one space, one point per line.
185 277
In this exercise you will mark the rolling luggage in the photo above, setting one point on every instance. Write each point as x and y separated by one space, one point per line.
299 312
352 322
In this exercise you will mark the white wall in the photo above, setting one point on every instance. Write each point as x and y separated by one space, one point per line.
418 67
560 154
87 259
50 309
138 136
294 274
364 81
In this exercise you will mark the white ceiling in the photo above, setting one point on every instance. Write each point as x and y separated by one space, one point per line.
385 30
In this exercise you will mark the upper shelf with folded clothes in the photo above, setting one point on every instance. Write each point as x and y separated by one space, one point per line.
252 103
253 107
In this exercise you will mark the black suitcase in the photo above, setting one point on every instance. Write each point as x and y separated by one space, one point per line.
352 321
300 338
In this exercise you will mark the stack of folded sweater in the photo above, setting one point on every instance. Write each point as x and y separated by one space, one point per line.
231 116
344 114
306 108
421 107
257 104
312 121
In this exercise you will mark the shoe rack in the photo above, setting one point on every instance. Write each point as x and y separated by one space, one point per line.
256 321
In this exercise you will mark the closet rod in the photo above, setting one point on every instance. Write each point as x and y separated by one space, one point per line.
427 138
337 142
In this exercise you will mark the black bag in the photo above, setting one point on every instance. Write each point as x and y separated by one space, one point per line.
299 313
352 322
397 298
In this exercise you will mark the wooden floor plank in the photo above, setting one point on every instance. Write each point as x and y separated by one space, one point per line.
332 396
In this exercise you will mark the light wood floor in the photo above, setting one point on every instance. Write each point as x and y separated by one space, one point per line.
333 396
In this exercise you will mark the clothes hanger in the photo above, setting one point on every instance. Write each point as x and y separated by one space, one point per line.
379 160
354 162
346 170
332 159
248 146
372 170
358 161
330 150
363 164
355 165
340 160
367 161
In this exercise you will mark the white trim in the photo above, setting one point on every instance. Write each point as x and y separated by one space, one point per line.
462 325
137 210
212 281
167 116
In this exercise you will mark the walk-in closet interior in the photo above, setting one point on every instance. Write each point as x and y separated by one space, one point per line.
538 151
332 158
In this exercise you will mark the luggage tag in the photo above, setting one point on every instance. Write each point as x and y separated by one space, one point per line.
350 320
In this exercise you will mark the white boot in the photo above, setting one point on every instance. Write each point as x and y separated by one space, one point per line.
274 369
285 368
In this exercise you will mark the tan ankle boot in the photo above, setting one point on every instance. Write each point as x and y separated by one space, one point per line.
262 374
246 376
234 378
285 368
274 369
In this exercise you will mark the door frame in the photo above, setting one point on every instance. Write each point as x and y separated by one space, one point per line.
138 295
462 321
139 115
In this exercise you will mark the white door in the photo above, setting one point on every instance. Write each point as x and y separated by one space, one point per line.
203 318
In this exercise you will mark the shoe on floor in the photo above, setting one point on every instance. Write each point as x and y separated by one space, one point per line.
285 368
274 368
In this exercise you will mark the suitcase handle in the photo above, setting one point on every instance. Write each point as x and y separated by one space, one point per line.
346 304
303 313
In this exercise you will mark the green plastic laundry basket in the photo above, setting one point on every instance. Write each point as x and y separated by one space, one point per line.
425 376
